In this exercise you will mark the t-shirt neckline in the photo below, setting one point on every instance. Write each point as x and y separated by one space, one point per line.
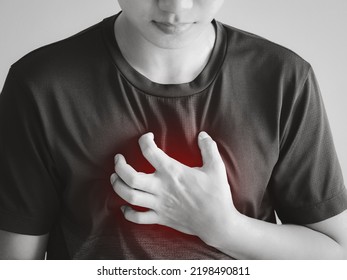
200 83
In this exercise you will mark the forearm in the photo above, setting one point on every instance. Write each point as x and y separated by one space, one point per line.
197 201
14 246
256 239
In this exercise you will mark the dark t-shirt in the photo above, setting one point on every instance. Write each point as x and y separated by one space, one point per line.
68 108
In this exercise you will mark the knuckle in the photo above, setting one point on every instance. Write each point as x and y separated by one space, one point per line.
127 213
135 217
163 222
143 139
133 181
172 167
168 204
209 143
155 205
147 151
132 199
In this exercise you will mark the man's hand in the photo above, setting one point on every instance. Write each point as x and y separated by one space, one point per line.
195 200
198 201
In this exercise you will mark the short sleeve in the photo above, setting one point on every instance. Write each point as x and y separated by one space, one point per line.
307 184
28 196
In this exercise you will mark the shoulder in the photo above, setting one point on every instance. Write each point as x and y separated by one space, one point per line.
61 58
261 54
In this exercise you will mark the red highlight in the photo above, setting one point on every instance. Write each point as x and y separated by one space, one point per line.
178 147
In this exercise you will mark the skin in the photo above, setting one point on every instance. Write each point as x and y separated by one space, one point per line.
16 246
174 58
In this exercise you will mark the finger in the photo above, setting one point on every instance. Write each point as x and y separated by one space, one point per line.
130 176
113 178
209 150
145 218
153 154
133 196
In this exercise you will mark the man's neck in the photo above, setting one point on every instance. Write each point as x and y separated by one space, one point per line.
164 66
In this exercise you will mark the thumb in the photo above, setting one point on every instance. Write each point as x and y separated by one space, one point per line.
209 150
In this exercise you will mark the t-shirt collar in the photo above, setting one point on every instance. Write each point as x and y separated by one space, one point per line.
142 83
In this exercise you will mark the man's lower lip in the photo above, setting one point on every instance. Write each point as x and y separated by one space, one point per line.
172 28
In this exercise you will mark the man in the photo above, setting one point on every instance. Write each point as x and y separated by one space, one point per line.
231 128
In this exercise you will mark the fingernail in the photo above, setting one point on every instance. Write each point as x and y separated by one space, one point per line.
151 135
203 135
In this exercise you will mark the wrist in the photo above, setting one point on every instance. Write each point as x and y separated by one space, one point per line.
228 232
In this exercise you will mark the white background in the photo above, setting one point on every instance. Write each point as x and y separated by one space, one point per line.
315 29
258 270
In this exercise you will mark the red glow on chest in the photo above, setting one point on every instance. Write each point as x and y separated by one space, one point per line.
186 152
178 148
